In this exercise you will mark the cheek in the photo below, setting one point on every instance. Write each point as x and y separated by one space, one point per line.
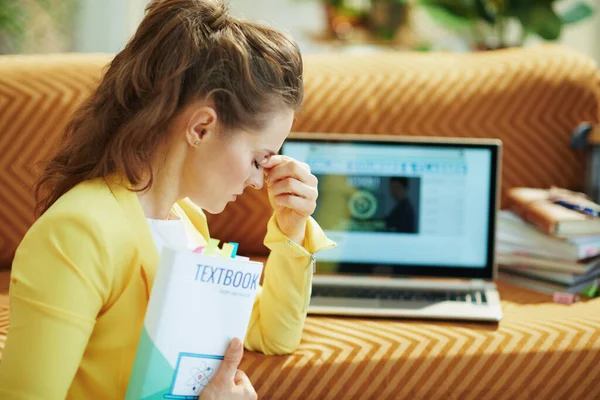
235 169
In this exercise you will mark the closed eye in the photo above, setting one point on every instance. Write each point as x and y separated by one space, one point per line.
256 165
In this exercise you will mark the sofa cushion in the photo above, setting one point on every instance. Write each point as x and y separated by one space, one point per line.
539 350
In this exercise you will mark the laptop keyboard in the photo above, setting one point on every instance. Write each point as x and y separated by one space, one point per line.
475 297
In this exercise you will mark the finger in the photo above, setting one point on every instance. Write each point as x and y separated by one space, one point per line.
231 360
242 380
295 187
291 169
300 205
274 160
240 377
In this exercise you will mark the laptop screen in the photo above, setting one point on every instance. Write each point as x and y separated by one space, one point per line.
407 208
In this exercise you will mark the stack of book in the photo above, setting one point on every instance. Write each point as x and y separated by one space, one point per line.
549 240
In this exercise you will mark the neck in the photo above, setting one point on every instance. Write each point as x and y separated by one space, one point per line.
157 202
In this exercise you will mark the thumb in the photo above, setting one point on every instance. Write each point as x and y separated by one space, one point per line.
231 360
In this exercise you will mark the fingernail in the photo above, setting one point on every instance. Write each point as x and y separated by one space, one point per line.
264 161
235 344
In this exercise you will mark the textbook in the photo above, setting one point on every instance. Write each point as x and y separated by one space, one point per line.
199 302
562 214
515 235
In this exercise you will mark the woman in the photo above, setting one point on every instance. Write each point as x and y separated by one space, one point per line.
190 113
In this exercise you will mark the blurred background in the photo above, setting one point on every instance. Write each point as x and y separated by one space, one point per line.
47 26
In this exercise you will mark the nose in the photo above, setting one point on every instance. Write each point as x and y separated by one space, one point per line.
256 179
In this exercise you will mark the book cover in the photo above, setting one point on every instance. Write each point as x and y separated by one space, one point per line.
537 206
198 304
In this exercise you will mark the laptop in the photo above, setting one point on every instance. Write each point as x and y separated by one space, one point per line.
414 221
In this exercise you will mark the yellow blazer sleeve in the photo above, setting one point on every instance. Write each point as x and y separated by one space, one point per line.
279 312
280 307
59 283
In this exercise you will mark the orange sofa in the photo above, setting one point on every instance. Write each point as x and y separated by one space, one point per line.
531 99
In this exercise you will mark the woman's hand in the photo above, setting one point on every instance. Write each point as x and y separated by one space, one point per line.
229 383
292 193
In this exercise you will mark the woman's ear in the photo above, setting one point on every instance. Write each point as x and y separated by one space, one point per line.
202 122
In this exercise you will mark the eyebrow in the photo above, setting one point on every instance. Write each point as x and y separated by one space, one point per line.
270 152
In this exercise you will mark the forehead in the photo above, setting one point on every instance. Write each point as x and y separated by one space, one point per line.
274 130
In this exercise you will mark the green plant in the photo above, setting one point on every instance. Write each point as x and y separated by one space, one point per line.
16 16
12 15
488 20
380 20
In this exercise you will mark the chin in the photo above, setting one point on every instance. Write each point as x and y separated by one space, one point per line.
216 208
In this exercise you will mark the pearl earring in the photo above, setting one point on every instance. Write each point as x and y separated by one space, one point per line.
197 142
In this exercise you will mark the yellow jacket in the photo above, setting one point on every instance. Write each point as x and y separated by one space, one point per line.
80 284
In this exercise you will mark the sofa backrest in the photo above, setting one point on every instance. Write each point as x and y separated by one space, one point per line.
531 99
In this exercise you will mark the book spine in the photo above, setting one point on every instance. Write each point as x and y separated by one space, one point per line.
539 220
149 362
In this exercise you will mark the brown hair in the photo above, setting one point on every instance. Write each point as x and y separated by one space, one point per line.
183 51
